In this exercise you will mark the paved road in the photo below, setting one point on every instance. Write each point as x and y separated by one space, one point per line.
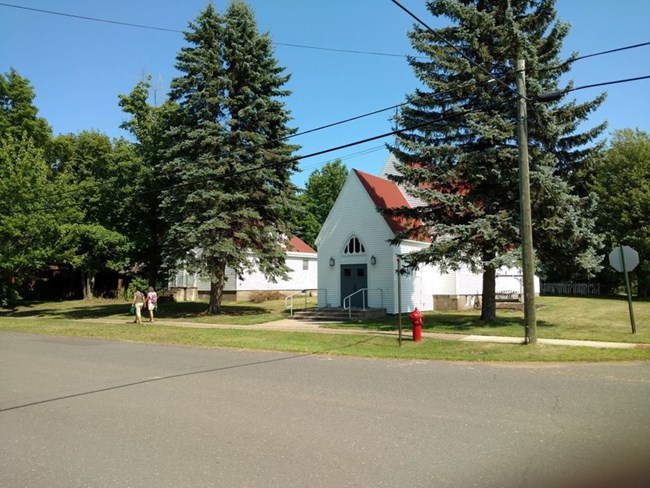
89 413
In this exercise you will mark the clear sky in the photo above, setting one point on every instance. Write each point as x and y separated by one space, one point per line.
78 67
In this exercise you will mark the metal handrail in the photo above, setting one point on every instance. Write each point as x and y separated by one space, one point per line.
348 299
290 299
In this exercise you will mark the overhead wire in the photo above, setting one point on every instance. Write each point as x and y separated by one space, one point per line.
178 31
298 158
232 174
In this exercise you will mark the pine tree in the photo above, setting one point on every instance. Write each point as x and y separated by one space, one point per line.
459 149
229 164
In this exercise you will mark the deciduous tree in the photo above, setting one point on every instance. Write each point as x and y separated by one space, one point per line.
321 191
621 179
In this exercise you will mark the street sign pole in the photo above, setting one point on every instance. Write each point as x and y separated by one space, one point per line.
399 299
629 291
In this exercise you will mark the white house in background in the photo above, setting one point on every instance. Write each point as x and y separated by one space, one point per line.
355 258
300 258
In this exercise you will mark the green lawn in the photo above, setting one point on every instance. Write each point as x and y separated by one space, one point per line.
593 319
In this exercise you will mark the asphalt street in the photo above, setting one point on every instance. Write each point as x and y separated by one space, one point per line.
78 412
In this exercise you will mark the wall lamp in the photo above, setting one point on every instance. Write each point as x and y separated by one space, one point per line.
373 260
332 262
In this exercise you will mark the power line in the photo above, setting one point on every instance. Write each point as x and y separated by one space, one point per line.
556 95
570 61
638 78
177 31
593 55
624 48
232 174
452 46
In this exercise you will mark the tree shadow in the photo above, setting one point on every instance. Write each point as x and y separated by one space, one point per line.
441 321
169 310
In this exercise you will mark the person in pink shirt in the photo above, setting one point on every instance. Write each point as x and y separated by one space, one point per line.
151 300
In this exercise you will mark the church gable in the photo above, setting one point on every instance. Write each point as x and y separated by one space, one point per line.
354 210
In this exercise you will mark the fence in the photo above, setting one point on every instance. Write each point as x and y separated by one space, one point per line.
570 289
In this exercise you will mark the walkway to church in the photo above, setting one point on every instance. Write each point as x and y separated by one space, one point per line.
292 325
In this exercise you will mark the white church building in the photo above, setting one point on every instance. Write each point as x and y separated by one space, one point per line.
357 266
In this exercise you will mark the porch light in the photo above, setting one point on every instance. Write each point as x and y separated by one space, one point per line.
373 260
332 262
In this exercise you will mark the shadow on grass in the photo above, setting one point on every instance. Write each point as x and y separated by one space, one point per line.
167 310
443 322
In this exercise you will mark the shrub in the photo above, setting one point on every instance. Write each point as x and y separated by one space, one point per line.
137 283
266 296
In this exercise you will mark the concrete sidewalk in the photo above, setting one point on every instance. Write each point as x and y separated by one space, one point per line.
292 325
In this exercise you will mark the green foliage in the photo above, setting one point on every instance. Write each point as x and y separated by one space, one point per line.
621 180
147 123
104 176
18 114
321 191
137 283
459 152
227 166
29 226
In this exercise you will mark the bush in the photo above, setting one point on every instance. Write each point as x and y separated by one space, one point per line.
266 296
137 283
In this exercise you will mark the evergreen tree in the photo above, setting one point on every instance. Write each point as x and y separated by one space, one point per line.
459 150
228 163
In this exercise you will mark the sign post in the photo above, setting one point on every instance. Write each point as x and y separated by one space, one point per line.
624 259
399 298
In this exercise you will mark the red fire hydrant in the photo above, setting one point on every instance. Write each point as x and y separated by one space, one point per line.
417 319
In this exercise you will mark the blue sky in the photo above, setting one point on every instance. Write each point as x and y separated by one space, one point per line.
78 67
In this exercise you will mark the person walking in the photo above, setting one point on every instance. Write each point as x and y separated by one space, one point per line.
138 303
152 299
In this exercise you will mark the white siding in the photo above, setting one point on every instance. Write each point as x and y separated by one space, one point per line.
354 213
468 283
299 279
417 288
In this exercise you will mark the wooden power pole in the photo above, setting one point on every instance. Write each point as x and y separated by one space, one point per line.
526 227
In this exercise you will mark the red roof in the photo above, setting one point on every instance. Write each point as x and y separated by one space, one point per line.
386 194
296 244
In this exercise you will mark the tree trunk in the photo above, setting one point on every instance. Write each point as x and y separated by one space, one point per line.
217 283
87 281
489 306
642 283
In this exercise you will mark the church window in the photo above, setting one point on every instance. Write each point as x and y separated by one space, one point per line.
354 246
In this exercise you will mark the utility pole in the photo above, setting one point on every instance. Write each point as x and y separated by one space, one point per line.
526 227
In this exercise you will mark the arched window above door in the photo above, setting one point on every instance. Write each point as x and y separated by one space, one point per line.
354 246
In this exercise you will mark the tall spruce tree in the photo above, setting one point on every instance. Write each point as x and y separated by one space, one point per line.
229 164
459 150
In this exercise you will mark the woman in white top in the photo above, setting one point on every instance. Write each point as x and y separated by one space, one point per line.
152 298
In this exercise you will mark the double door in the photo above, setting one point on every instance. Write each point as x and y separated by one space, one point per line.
354 277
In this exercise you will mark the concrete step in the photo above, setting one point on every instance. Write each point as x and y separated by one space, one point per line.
332 314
